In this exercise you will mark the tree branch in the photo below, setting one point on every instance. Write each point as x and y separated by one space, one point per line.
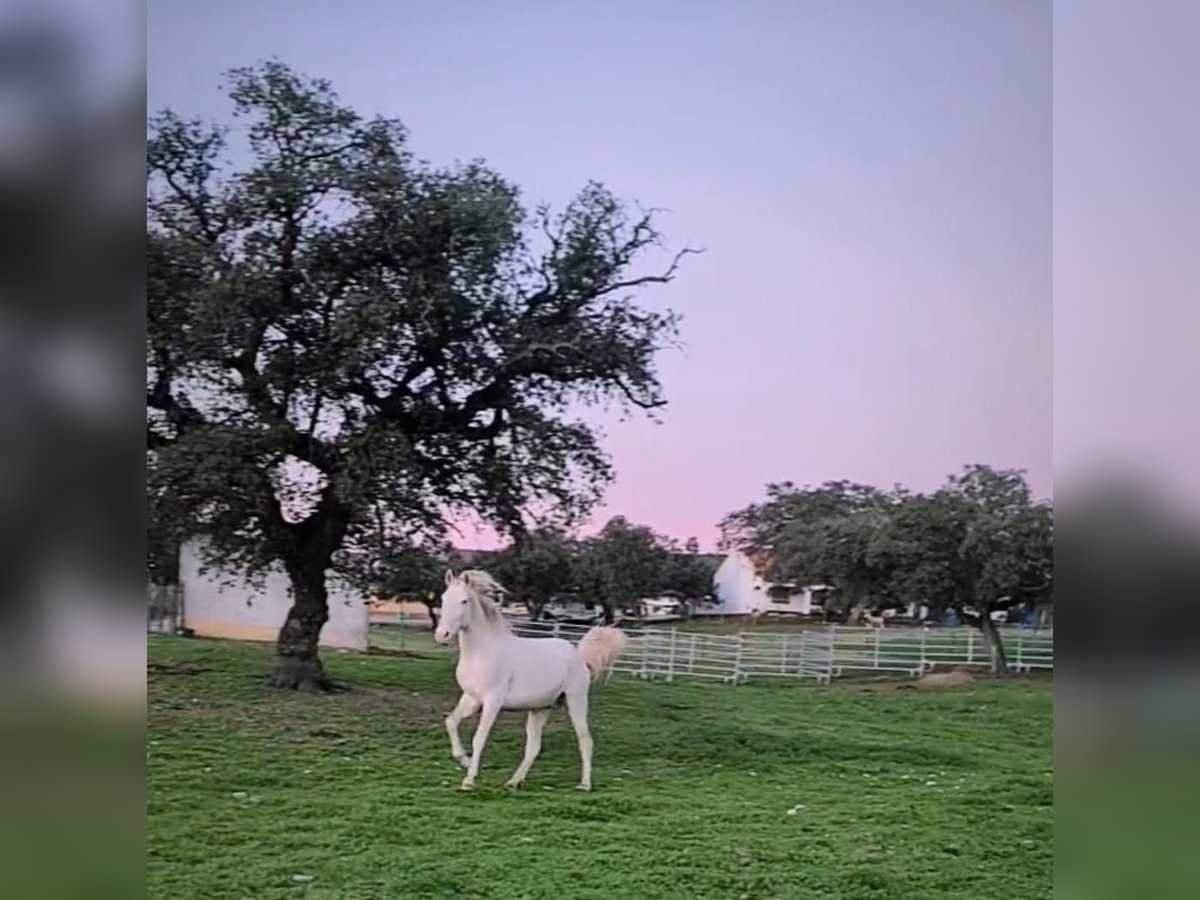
634 399
663 278
181 414
197 209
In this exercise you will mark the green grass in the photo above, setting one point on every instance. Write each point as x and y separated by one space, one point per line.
896 794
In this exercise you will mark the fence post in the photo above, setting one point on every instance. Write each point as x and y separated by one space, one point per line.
833 670
671 656
970 648
878 633
803 653
925 667
1020 650
737 660
784 657
692 654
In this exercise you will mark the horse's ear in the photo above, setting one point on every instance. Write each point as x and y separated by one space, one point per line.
449 577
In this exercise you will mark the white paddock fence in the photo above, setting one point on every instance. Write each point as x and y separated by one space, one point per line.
821 654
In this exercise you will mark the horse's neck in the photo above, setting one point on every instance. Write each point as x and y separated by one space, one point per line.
481 639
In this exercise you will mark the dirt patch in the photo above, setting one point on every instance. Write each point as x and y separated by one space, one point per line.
930 681
953 678
305 714
159 668
406 703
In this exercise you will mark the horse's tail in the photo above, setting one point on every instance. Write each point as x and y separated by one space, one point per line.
600 648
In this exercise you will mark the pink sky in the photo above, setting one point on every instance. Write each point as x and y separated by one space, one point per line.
872 183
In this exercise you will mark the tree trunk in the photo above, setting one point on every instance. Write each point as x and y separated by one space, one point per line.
991 636
433 614
608 614
298 664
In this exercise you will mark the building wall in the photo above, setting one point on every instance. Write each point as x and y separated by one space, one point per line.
799 602
742 592
736 586
236 610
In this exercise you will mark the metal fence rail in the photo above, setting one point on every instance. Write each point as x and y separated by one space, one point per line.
819 654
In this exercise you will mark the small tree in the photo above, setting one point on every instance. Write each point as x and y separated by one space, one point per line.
622 565
537 566
687 573
346 347
413 572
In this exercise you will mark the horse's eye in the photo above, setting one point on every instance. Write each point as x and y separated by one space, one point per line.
464 602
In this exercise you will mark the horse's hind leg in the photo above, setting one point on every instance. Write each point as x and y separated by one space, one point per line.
467 707
534 723
577 708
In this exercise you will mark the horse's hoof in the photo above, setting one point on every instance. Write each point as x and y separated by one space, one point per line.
513 785
467 786
583 787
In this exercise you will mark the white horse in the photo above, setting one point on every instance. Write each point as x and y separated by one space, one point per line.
498 670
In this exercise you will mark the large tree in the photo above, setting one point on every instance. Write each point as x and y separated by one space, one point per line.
346 347
411 572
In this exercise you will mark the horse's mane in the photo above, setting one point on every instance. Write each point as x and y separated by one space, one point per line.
487 592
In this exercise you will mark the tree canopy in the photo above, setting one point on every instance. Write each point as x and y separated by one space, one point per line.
346 347
978 544
538 565
623 564
614 569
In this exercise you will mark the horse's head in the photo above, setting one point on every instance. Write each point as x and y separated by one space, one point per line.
456 608
459 613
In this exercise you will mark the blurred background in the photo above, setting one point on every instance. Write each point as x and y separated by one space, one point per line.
71 310
1127 441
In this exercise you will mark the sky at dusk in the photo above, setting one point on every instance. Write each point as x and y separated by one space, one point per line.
871 182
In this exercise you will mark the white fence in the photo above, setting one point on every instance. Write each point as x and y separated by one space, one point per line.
818 653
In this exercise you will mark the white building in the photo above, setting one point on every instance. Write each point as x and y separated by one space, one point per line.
224 606
742 590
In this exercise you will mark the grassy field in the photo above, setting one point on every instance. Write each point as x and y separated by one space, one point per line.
754 791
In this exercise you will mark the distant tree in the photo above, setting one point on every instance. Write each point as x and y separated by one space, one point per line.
854 552
413 572
536 566
622 565
346 346
978 545
818 535
686 572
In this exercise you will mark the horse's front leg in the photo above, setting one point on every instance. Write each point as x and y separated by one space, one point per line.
467 707
491 709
